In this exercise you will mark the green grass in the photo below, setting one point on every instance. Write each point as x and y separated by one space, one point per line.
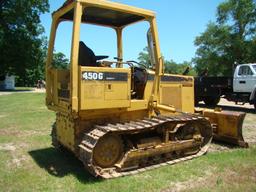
29 163
24 88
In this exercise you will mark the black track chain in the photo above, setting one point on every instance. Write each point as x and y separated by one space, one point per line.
91 138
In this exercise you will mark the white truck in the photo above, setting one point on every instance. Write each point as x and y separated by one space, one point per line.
241 88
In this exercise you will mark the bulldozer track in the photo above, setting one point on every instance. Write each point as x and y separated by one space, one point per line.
92 137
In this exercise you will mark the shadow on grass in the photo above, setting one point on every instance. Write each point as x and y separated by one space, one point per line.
61 164
230 108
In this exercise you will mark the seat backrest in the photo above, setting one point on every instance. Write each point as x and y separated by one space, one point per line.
86 56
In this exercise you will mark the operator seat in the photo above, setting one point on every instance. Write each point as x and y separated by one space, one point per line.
86 56
140 77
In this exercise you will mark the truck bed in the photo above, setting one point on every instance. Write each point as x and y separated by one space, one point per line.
212 88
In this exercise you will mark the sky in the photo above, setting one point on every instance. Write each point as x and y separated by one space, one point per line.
179 23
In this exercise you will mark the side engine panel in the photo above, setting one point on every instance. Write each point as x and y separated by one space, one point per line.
104 88
175 90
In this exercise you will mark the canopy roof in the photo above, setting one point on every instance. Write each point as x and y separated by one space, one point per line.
106 13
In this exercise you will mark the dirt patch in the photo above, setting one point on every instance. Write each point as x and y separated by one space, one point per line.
214 178
18 161
7 147
11 132
224 102
192 183
5 132
18 158
249 133
12 147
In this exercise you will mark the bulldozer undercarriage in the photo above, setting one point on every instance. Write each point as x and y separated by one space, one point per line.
122 149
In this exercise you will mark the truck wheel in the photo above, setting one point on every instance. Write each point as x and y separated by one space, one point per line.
211 101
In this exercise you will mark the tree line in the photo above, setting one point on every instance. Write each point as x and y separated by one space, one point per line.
228 40
170 66
23 45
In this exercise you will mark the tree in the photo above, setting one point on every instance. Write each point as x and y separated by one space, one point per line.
22 45
170 66
60 61
144 58
179 68
232 38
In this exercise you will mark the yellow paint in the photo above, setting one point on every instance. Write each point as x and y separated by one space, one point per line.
171 95
65 131
227 122
103 94
99 101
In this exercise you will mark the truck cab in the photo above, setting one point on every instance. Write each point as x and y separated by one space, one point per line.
244 78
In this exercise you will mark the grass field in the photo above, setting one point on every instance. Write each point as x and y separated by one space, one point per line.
29 163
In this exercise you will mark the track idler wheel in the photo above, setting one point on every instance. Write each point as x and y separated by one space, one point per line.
108 151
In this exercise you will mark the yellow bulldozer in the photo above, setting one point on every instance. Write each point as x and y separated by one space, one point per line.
118 117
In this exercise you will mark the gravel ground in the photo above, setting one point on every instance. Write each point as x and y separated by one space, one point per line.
225 103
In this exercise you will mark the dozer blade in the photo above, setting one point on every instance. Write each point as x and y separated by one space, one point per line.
227 126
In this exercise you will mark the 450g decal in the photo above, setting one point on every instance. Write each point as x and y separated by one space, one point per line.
92 76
